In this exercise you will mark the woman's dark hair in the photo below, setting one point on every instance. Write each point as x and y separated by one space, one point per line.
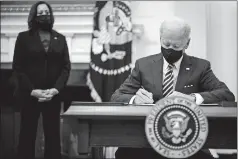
33 14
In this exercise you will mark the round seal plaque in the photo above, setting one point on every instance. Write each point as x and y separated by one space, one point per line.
176 127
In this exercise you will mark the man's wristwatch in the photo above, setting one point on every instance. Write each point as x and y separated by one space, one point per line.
194 96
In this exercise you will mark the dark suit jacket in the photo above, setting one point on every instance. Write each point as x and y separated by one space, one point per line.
148 72
34 68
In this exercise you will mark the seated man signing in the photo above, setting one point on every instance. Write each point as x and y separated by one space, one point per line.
170 73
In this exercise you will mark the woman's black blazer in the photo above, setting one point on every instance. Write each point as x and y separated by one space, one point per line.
34 68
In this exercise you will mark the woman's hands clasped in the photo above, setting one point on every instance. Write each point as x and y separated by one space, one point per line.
44 95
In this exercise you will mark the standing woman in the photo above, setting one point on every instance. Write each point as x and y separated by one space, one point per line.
41 64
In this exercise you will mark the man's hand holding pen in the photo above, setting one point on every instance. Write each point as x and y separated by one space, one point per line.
143 97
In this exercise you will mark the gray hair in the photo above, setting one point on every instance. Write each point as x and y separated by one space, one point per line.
176 23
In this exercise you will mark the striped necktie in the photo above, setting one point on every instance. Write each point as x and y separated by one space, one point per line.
168 82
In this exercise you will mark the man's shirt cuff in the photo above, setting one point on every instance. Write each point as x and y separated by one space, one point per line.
199 98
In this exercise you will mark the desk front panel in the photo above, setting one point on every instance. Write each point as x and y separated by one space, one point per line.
123 125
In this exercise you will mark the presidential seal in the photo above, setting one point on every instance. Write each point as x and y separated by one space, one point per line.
176 127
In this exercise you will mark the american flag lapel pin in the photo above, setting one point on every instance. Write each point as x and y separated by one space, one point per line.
187 68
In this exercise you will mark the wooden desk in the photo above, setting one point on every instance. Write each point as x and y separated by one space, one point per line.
122 125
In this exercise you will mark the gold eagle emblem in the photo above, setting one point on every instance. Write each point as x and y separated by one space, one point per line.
176 123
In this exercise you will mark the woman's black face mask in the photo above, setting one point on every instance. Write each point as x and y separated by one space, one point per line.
43 22
171 55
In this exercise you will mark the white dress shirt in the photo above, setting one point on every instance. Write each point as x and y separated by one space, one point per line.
199 98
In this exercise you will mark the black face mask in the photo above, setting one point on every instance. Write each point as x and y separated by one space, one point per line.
43 22
170 55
